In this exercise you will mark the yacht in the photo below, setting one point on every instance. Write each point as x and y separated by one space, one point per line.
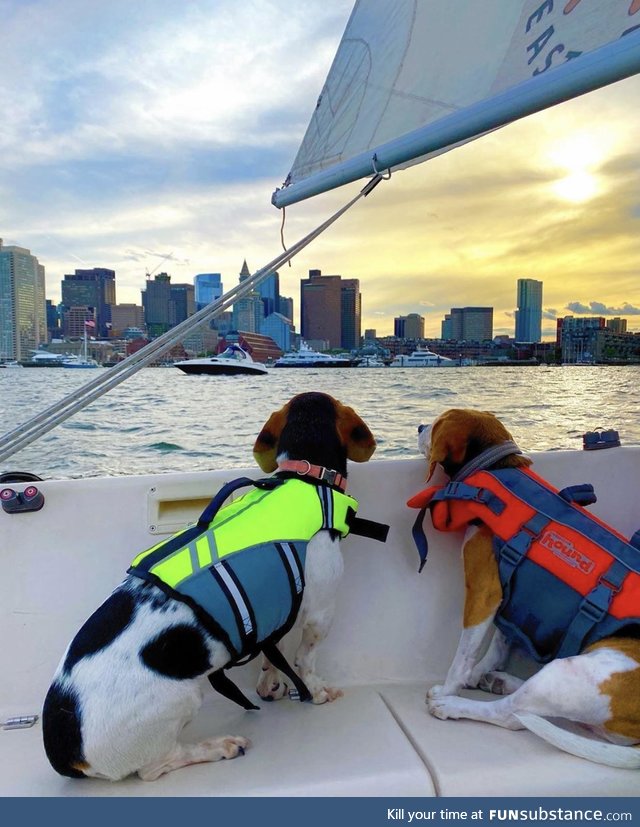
79 362
231 362
306 357
371 362
10 364
423 359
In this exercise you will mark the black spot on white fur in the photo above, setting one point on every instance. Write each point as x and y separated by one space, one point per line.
179 652
102 628
62 732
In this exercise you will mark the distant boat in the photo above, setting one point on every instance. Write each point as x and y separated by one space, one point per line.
306 357
78 362
423 359
371 362
10 364
233 361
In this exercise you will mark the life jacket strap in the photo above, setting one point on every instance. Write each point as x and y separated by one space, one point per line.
462 491
366 528
276 657
513 551
592 609
579 494
420 538
487 459
218 500
221 682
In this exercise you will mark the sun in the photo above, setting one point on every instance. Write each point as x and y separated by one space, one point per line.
577 158
578 186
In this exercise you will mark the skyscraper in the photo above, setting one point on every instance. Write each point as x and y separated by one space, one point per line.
270 294
156 301
330 310
23 320
409 327
248 312
529 312
208 288
94 288
350 313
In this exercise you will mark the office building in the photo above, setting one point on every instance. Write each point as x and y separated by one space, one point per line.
269 292
350 313
617 325
156 302
23 319
409 327
285 307
576 336
330 310
248 312
95 289
181 303
126 316
468 324
529 312
208 288
279 328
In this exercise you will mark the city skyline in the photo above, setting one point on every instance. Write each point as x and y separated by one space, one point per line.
130 142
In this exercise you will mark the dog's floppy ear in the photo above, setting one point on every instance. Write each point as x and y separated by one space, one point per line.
354 434
265 449
448 444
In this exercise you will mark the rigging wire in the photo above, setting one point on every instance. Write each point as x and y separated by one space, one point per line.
34 428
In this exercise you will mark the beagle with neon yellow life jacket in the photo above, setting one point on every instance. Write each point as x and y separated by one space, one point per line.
220 591
541 574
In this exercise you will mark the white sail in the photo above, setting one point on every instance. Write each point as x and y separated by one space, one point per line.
413 78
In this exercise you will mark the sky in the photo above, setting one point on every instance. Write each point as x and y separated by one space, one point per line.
148 136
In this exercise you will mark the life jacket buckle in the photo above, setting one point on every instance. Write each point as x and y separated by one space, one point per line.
614 588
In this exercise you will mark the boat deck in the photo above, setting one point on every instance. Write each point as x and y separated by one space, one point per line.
394 634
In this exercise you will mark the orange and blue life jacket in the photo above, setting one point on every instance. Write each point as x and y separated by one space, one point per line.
568 579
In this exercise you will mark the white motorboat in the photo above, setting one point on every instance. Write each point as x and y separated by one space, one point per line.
233 361
306 357
423 359
371 362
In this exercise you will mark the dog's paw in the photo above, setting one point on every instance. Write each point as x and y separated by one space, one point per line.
444 707
499 683
325 694
232 745
270 686
435 692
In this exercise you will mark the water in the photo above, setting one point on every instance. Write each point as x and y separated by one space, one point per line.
161 420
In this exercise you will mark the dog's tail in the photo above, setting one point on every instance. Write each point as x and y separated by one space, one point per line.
600 752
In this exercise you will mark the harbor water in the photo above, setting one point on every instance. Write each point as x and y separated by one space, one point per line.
161 420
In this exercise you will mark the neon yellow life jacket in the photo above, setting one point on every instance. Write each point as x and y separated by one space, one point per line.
241 568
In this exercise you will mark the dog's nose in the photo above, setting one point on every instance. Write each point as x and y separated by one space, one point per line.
421 428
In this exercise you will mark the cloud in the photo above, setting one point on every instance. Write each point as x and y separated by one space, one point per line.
549 313
601 309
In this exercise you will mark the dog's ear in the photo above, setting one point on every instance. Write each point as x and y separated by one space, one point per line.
265 449
448 445
354 434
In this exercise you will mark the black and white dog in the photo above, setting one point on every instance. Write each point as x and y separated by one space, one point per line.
135 673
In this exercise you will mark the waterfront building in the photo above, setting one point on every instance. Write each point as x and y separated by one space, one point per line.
529 312
23 318
370 334
53 320
156 302
409 327
94 288
576 337
208 288
468 324
279 328
75 320
617 325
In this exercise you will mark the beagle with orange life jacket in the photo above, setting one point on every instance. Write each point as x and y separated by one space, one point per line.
591 674
134 675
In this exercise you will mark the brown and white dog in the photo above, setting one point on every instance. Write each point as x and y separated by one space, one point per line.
134 675
599 688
